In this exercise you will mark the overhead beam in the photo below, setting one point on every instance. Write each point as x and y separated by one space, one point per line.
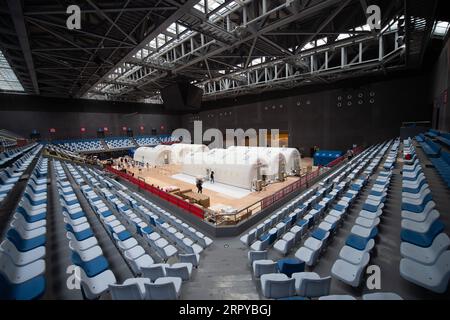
15 8
39 11
325 23
113 23
39 22
59 36
247 62
153 34
303 14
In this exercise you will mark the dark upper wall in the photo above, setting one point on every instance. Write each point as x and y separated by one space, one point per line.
18 102
441 86
68 124
315 118
310 118
23 114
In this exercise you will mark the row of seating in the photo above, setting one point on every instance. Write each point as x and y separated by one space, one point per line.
442 165
81 145
22 252
425 258
443 138
10 154
159 281
319 238
86 253
431 149
148 141
119 143
377 296
291 278
160 244
63 153
441 162
277 277
161 218
355 255
6 143
266 233
11 175
127 244
188 238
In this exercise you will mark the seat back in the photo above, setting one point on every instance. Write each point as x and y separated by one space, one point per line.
164 291
189 258
153 272
125 292
435 132
316 287
179 272
446 157
280 288
256 255
261 269
251 237
435 147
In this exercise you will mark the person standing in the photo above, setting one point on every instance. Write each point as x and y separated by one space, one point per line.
212 177
198 185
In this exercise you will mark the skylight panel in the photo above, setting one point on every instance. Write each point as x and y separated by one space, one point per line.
441 28
343 36
8 79
172 28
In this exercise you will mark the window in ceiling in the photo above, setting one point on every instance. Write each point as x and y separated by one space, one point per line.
441 28
8 79
212 4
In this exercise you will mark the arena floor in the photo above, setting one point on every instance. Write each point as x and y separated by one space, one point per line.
219 194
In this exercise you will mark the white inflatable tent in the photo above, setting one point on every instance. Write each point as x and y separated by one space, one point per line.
293 160
227 166
156 156
179 151
272 159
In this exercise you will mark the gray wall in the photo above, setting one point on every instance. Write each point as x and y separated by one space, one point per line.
315 118
441 84
24 113
68 124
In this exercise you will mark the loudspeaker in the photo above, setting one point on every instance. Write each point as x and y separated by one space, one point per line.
100 134
34 135
182 97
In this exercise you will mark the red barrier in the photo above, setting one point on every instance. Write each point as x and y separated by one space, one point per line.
337 161
181 203
301 183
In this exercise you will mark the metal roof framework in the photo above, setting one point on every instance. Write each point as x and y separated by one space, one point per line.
130 49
